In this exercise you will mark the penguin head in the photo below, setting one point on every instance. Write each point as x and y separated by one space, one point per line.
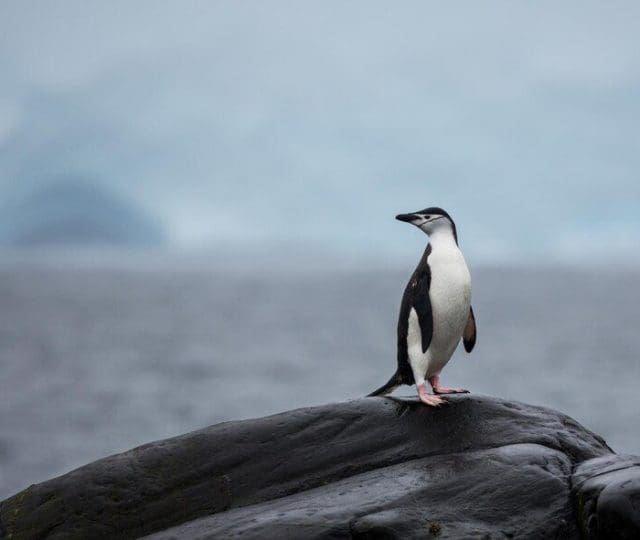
430 220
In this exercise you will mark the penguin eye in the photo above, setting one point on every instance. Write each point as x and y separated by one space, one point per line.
427 217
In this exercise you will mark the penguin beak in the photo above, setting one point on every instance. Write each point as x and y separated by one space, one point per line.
407 217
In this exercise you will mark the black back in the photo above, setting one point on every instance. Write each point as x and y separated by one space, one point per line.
416 295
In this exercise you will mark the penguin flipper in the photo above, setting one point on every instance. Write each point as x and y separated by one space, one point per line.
422 305
416 296
469 334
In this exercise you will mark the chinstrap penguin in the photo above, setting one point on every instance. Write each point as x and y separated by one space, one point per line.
435 311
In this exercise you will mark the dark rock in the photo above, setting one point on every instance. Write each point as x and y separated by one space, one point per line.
369 468
512 491
607 497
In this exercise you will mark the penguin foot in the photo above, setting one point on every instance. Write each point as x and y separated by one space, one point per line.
438 389
429 399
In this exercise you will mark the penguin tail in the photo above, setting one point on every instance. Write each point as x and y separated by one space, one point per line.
388 387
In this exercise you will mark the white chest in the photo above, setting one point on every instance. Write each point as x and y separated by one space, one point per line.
450 297
450 290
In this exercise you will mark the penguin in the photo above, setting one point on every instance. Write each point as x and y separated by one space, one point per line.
435 312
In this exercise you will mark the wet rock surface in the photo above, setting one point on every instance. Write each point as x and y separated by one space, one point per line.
474 494
479 467
607 497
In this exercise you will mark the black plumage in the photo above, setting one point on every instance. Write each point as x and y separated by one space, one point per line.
416 295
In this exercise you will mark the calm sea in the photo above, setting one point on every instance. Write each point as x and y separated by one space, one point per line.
95 359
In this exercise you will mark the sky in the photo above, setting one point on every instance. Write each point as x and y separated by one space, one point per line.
300 125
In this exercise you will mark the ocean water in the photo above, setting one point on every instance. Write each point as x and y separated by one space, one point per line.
96 359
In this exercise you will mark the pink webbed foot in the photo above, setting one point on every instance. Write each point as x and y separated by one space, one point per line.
428 399
438 389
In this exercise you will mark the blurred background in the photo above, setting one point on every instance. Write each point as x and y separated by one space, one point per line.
197 201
